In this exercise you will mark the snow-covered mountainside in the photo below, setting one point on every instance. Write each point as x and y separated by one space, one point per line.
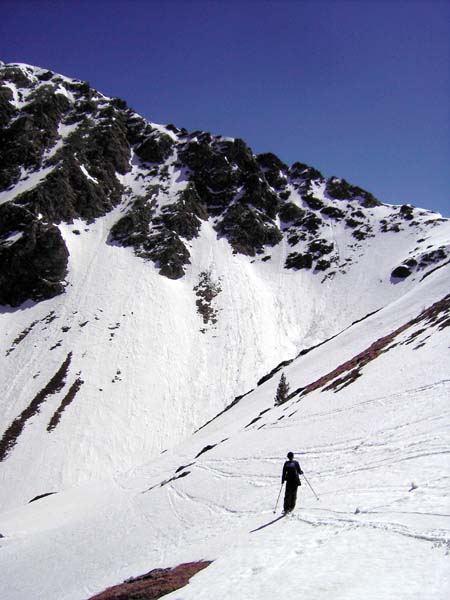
153 281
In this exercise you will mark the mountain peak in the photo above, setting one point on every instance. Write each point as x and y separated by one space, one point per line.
70 152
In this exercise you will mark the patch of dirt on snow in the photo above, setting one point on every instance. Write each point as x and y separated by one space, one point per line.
153 585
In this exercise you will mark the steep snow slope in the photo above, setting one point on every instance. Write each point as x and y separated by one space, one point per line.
376 451
152 371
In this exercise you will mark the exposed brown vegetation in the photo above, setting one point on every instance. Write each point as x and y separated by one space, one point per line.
65 403
155 584
21 337
206 291
55 385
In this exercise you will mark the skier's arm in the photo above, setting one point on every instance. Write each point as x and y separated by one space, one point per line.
299 469
283 476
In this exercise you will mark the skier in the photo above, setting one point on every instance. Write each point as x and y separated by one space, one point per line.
291 475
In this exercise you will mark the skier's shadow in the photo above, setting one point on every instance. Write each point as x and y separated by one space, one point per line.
267 524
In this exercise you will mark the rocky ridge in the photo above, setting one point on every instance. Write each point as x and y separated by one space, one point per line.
69 152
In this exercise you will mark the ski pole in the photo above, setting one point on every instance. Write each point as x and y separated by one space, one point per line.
317 497
275 509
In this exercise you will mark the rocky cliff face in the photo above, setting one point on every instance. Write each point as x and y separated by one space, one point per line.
69 152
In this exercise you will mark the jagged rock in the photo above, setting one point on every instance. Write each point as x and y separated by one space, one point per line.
312 202
310 222
301 171
290 212
133 228
360 234
66 193
157 237
137 128
108 150
350 222
319 247
211 171
323 264
46 109
274 169
46 76
239 153
401 272
257 193
185 215
155 149
15 74
411 262
295 237
303 176
342 190
217 171
298 260
168 253
247 230
33 258
24 141
333 212
7 109
407 212
119 103
432 257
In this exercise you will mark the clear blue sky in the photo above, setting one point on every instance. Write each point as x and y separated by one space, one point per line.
357 89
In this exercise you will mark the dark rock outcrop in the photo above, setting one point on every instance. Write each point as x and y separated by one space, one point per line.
33 257
342 190
41 496
274 170
155 149
298 260
401 272
248 230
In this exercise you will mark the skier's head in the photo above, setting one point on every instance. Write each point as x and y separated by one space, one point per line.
290 455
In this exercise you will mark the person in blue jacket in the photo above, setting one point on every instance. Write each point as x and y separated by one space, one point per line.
291 475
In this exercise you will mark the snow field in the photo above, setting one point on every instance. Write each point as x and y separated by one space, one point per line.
125 324
376 453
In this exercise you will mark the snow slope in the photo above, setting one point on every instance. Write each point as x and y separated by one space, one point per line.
152 372
376 453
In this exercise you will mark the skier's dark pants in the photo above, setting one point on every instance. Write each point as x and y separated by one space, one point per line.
290 496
